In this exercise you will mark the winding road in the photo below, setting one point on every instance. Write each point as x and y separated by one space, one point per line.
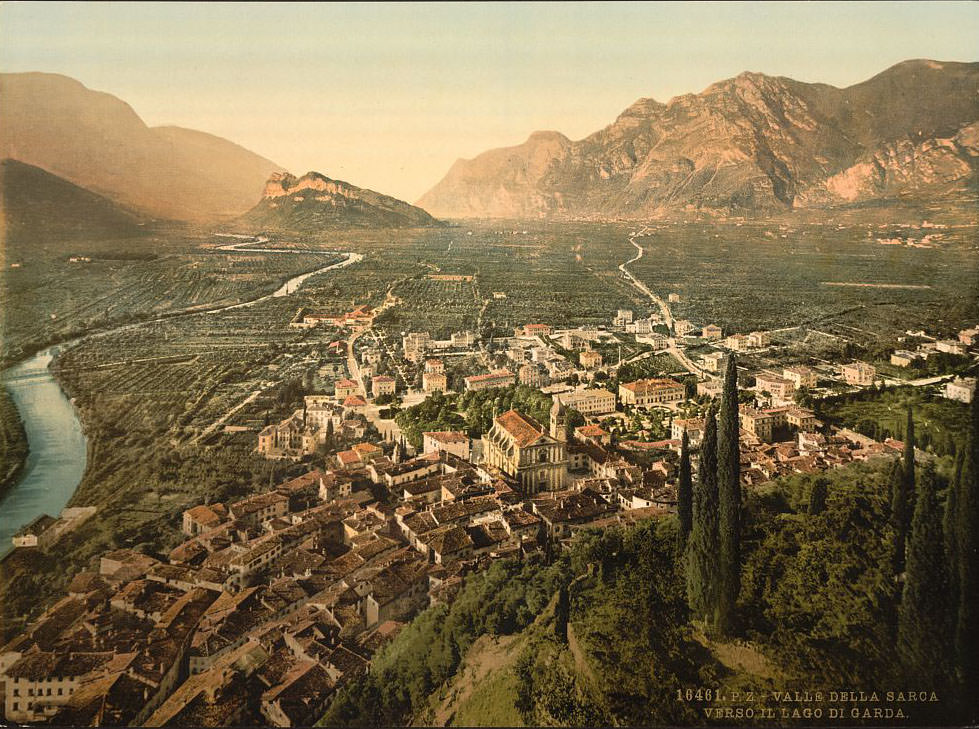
664 308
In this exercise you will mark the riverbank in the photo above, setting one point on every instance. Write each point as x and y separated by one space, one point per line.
56 460
131 460
14 447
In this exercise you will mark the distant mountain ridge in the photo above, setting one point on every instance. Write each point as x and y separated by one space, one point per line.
314 202
97 141
753 143
36 205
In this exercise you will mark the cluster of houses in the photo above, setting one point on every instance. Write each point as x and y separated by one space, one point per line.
361 316
274 601
965 341
307 428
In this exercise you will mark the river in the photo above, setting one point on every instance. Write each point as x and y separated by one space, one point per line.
58 448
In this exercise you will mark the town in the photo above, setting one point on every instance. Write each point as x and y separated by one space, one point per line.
273 602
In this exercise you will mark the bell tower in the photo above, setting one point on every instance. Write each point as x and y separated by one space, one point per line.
559 421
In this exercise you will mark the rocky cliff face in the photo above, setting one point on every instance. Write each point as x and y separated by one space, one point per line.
314 202
753 143
97 141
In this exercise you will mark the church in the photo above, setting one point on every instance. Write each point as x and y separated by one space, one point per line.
520 447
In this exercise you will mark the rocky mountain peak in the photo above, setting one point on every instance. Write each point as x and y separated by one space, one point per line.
752 143
316 202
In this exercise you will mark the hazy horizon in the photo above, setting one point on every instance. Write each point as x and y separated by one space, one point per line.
389 96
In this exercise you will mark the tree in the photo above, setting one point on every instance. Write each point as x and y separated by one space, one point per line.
729 499
922 634
562 611
949 526
967 563
902 502
909 464
803 398
702 577
817 497
684 495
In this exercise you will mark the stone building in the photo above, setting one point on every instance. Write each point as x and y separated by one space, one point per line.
520 447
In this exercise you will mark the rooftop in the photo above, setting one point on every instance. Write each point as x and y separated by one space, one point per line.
522 428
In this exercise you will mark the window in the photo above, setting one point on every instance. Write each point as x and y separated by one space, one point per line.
16 692
49 691
16 706
61 691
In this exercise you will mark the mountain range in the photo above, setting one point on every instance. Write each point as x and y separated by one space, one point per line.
61 141
97 141
753 143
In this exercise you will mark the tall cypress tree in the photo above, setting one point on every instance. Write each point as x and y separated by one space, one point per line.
902 504
922 632
729 499
702 578
949 531
909 465
967 558
684 495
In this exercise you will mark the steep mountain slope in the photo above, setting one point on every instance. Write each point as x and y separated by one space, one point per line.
36 205
97 141
315 202
751 143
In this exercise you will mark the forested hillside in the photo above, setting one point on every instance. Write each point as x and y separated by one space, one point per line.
602 634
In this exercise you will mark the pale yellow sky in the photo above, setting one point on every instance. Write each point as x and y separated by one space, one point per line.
388 96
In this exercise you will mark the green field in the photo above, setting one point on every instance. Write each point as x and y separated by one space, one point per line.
47 299
741 279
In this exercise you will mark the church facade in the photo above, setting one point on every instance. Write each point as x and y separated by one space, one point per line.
521 448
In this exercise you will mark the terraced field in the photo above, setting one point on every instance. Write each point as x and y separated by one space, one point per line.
47 298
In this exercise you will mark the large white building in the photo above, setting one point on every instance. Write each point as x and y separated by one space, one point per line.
589 402
659 391
800 376
962 389
450 441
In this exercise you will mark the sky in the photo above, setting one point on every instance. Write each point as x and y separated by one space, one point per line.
388 96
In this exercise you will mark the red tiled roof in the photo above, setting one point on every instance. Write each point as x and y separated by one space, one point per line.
522 428
367 448
447 436
498 374
348 457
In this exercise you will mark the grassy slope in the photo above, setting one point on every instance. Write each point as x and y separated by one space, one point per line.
483 690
